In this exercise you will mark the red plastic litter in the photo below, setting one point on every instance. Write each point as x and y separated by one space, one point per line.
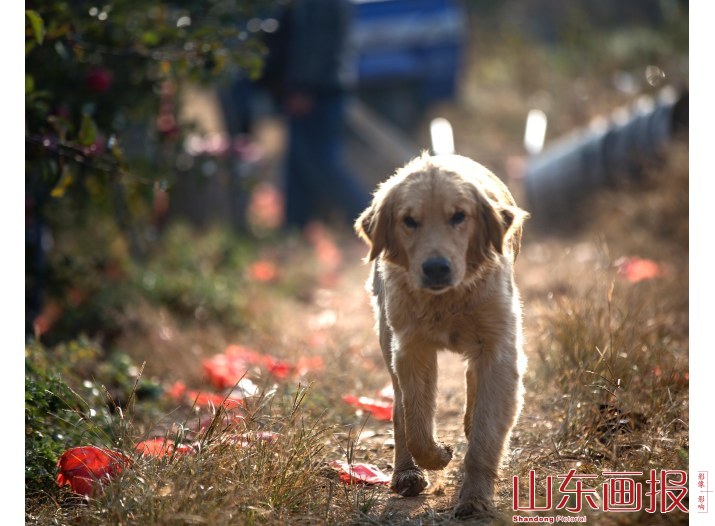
365 473
379 409
636 269
87 469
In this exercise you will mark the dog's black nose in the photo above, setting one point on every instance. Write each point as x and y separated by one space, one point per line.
437 271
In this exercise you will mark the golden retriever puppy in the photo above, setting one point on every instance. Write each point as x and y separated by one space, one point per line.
444 233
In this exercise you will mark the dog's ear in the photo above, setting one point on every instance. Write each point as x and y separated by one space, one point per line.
376 226
366 227
495 225
502 223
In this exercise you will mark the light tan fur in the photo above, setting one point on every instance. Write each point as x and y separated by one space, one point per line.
449 211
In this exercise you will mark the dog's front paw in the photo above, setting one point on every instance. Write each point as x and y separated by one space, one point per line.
409 482
474 509
436 457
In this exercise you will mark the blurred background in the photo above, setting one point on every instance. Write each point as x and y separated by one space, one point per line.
150 124
139 118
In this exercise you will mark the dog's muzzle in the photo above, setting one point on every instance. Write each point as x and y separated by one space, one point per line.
436 273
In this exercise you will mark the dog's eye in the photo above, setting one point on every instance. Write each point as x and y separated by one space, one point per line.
410 222
457 218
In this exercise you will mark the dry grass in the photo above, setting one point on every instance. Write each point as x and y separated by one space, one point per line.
260 481
608 385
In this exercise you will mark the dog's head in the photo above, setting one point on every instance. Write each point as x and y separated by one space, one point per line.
443 219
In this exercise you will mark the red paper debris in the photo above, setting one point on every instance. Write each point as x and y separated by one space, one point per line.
86 469
636 269
179 392
365 473
380 410
279 369
226 369
203 399
162 447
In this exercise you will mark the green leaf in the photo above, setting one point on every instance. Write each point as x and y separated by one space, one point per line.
87 131
37 24
29 84
150 38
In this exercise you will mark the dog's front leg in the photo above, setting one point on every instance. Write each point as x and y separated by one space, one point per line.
494 412
407 479
416 368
